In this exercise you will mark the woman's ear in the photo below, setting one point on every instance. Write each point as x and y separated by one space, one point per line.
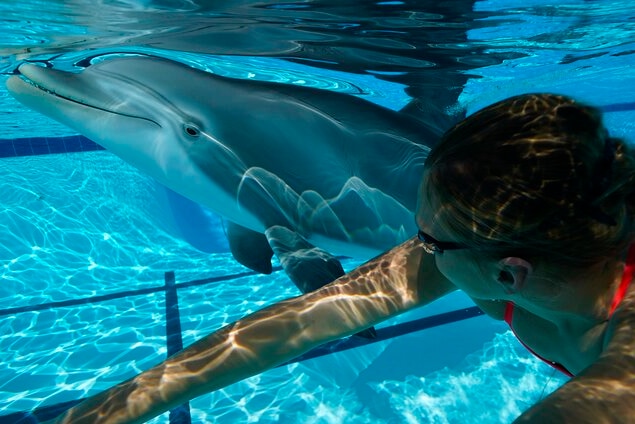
513 273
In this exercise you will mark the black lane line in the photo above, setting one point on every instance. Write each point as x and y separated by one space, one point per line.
204 281
172 315
82 301
119 295
389 333
180 414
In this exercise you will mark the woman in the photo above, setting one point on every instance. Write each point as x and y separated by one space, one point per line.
527 206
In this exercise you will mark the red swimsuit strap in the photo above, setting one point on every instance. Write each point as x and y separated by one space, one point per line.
627 277
509 317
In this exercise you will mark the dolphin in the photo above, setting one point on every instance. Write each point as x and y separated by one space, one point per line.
303 173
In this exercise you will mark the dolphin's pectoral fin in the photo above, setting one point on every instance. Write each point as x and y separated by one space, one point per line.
249 248
309 267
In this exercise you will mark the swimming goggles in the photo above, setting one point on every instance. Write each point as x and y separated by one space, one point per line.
432 245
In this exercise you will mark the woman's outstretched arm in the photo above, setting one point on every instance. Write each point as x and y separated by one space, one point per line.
397 281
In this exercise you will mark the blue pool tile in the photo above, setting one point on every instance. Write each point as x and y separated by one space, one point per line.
30 146
39 146
56 144
6 149
72 144
89 145
23 147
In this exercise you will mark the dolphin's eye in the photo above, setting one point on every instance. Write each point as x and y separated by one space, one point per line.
191 130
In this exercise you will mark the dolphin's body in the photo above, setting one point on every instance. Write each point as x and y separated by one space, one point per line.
290 167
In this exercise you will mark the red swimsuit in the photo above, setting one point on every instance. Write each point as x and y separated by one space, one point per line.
627 277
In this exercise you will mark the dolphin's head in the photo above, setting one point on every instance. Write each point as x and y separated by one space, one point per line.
153 113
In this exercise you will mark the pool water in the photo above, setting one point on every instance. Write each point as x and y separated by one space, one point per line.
83 303
86 240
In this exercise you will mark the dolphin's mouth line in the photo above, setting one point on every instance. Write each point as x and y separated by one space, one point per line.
70 99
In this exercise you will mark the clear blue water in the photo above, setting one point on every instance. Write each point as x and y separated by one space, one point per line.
77 226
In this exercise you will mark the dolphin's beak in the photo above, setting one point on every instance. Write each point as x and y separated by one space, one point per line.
66 85
53 92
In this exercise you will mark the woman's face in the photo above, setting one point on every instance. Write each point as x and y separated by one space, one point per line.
470 270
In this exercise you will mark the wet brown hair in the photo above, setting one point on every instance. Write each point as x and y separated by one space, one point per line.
535 175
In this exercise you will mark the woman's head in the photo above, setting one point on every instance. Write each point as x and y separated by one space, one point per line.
534 176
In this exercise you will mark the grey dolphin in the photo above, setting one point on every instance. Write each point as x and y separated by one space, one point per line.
300 170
